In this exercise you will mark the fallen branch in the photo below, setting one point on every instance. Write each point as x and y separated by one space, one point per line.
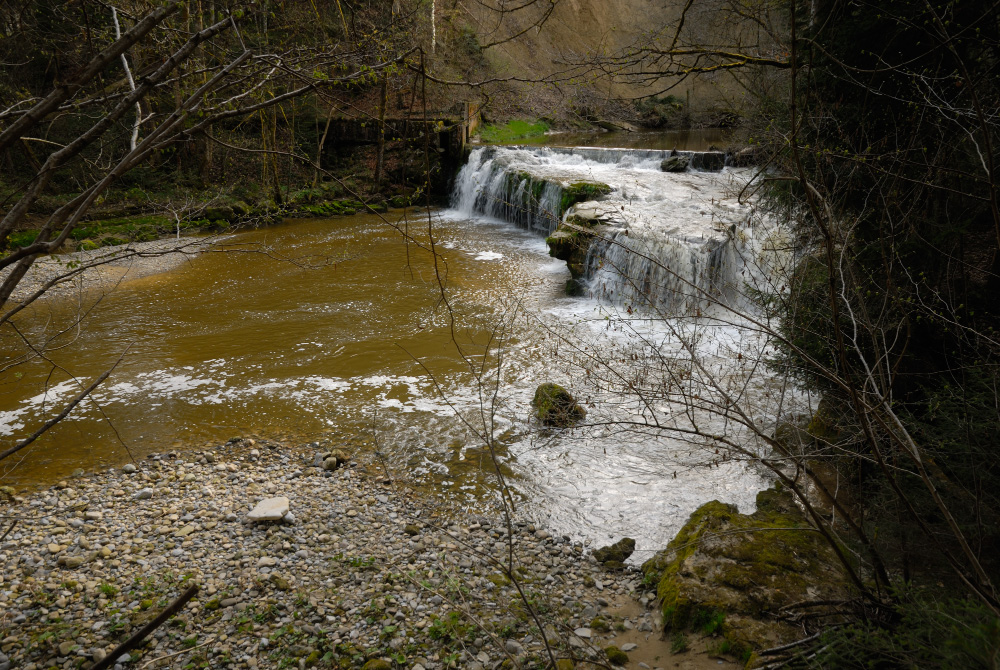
136 639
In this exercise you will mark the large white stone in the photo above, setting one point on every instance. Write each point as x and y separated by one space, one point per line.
269 509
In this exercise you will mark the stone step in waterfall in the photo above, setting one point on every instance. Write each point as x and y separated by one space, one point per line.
631 232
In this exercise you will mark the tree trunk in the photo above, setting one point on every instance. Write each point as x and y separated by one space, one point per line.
383 100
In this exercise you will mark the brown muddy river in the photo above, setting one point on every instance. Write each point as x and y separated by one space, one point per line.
334 331
304 330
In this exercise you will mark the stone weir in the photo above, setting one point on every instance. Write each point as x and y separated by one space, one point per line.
653 228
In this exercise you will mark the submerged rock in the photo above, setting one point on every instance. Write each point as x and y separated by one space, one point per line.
555 406
734 572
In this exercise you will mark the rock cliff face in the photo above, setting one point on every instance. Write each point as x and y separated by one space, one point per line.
732 573
552 36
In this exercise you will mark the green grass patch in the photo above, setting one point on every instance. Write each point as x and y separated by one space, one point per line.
513 131
21 238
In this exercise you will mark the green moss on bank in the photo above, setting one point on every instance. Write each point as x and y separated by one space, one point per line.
513 131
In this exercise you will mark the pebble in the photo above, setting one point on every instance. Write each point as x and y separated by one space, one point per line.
513 647
350 546
129 468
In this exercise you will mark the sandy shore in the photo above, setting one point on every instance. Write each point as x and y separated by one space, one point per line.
359 571
106 267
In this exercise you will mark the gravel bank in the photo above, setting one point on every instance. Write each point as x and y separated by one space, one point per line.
359 571
106 267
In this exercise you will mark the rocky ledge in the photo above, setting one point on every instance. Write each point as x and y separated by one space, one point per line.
572 239
354 573
731 575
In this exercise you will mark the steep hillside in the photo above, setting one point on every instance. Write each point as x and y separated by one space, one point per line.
569 44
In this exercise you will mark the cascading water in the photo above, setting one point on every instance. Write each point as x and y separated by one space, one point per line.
669 257
666 240
488 184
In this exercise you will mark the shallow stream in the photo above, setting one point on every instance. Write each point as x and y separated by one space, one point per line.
338 332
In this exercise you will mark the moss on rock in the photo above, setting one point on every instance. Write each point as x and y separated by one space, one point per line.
732 572
619 551
555 406
615 655
581 191
824 425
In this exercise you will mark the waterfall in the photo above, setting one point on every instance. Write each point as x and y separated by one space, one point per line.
666 240
492 186
666 273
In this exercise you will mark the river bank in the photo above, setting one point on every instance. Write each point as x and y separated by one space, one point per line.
360 569
106 267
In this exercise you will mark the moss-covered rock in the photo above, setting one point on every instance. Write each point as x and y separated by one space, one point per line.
571 241
571 246
280 583
730 573
555 406
792 433
619 551
222 213
377 664
825 425
241 208
615 655
579 192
